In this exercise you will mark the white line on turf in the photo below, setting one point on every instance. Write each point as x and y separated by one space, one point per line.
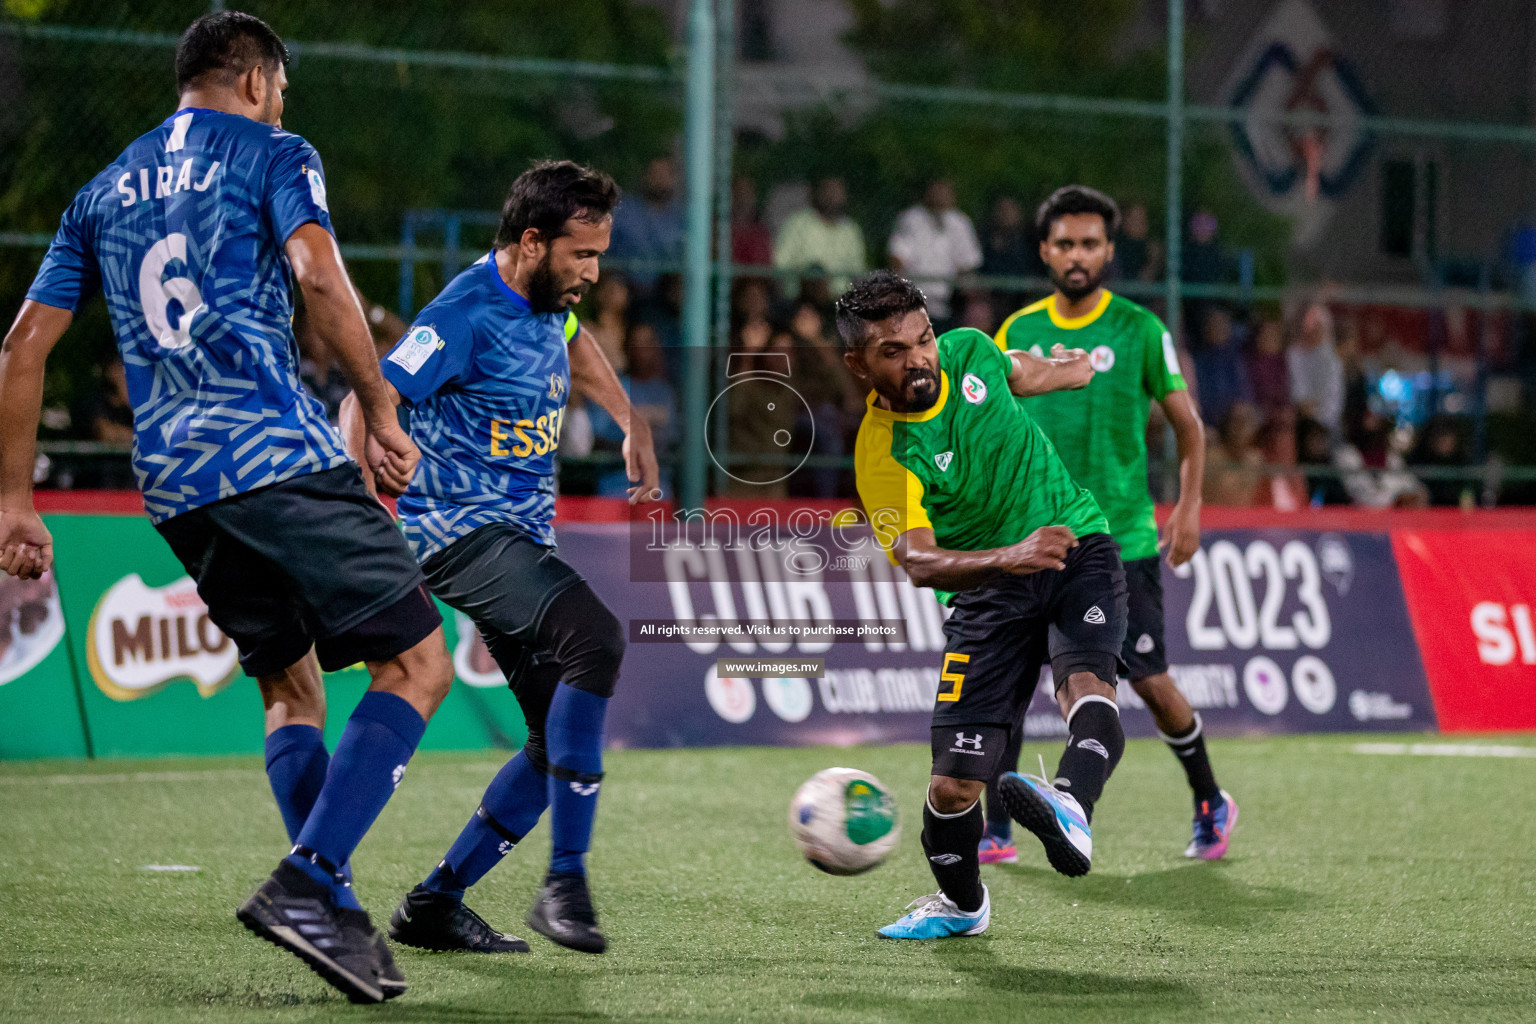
254 774
170 867
1445 749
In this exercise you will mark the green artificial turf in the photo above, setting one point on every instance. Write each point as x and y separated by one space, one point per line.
1358 887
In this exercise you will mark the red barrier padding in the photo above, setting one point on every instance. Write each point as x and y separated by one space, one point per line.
110 503
1469 596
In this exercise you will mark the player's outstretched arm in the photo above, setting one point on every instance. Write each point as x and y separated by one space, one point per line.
26 547
1183 536
592 375
1067 369
331 303
928 565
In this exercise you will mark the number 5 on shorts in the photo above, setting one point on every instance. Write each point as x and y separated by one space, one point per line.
957 678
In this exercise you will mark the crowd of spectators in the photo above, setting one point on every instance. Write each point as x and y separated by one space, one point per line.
1291 416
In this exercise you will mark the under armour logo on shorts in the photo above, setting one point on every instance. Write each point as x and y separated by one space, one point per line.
1094 616
973 743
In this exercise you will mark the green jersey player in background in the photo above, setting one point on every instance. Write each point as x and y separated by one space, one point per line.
968 496
1100 434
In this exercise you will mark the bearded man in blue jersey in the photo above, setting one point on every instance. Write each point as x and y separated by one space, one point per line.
486 370
195 235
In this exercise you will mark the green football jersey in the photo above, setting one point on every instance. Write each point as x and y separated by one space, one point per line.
1100 432
974 468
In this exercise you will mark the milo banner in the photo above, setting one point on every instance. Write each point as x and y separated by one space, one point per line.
767 631
157 677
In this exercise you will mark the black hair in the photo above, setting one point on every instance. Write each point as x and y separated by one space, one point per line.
1072 199
229 44
550 193
876 296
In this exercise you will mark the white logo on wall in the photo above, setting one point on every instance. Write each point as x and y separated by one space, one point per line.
1336 562
472 661
731 697
789 698
31 624
1289 67
1264 683
140 638
1102 359
1313 682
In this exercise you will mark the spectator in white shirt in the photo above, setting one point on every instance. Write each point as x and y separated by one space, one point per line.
932 244
1317 373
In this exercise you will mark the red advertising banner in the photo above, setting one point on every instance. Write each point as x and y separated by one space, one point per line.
1469 595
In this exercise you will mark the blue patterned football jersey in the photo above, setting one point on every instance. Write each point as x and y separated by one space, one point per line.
487 380
184 234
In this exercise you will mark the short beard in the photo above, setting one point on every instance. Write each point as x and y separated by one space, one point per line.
922 401
1075 292
544 292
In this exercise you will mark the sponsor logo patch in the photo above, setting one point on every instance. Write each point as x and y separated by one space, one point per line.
1144 644
943 459
1094 616
1102 359
974 389
316 187
415 349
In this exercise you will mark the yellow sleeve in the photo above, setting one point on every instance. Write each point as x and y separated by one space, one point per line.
571 326
891 493
1002 332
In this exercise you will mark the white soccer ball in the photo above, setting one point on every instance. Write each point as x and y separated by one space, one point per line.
844 821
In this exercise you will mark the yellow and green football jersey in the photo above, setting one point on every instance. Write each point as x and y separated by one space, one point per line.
1100 432
974 468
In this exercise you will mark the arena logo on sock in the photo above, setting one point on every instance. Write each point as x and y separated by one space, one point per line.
142 638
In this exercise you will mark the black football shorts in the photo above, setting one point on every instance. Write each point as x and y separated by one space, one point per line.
1144 653
314 561
999 636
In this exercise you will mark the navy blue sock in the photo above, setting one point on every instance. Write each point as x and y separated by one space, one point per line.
574 736
510 808
369 763
296 764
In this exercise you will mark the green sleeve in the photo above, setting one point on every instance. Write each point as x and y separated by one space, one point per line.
977 352
1160 360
